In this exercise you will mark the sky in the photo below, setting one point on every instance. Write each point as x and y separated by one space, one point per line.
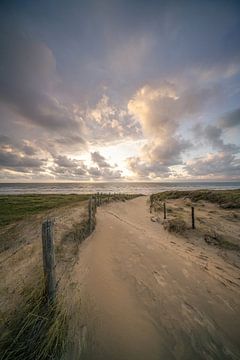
116 90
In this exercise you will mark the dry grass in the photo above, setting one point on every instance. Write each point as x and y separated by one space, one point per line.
16 207
228 199
175 225
215 222
36 331
213 238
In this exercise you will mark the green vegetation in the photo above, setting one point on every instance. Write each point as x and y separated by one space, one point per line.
228 199
36 331
16 207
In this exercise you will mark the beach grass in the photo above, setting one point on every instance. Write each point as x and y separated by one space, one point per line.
16 207
225 198
37 330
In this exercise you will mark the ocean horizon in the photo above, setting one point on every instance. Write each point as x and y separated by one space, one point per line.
145 188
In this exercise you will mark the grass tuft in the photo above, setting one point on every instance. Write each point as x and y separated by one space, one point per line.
229 199
175 225
37 331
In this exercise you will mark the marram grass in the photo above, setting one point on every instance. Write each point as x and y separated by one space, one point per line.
37 331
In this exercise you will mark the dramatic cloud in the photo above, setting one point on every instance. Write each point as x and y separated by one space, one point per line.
213 135
108 122
66 168
223 165
99 160
152 86
9 160
27 80
159 111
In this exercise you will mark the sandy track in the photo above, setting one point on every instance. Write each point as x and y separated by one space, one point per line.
147 294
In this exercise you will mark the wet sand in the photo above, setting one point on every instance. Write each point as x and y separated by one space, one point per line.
148 294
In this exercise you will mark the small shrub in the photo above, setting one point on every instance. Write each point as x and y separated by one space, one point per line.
175 225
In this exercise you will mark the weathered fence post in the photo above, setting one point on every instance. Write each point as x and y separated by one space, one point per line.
164 211
151 203
95 204
48 260
193 218
90 214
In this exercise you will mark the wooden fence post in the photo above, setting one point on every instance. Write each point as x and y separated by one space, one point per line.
90 214
48 260
164 211
95 204
193 218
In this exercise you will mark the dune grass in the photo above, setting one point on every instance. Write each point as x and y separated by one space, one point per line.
16 207
225 198
36 331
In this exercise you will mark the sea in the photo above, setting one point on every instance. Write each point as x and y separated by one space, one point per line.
145 188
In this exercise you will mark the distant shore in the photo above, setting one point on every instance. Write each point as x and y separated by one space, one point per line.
146 188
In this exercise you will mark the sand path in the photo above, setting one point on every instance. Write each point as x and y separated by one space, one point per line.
147 294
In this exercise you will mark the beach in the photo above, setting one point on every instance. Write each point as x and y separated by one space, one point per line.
135 289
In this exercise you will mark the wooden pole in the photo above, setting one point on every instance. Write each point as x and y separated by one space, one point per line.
165 211
151 203
193 218
48 260
90 214
95 204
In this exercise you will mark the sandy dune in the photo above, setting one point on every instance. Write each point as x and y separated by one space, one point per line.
147 294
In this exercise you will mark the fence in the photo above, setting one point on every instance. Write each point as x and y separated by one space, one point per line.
48 251
152 207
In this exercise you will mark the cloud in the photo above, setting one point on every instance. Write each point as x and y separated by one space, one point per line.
159 111
144 170
108 122
72 169
167 152
230 119
13 161
156 159
155 109
104 173
66 168
20 156
103 170
99 160
213 135
29 80
141 72
219 165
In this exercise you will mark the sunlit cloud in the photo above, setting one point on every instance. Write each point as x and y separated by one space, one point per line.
147 92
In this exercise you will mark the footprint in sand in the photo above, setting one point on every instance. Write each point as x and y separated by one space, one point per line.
185 272
159 278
